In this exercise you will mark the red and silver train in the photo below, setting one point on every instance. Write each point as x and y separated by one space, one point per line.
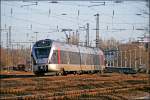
53 56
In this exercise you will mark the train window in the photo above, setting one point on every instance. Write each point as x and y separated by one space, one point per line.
74 58
88 60
64 57
82 58
71 57
85 59
96 60
42 52
91 59
77 58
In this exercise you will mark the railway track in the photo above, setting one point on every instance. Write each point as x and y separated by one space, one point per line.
78 93
70 87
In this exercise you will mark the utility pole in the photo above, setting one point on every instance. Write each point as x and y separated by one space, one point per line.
113 58
30 58
117 58
12 54
140 56
87 35
67 36
9 37
130 59
36 33
97 30
110 61
135 60
77 37
7 46
125 59
147 50
121 57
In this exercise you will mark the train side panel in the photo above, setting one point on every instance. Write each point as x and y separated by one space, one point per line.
75 58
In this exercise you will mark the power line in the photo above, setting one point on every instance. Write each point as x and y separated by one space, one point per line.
57 16
27 20
80 19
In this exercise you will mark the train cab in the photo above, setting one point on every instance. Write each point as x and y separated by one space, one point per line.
40 55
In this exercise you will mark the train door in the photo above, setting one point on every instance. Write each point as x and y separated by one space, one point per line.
80 57
101 59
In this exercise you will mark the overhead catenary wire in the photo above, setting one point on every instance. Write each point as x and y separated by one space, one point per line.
45 13
40 12
45 25
27 20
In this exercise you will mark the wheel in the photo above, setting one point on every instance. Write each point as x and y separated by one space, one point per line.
79 72
92 72
74 73
61 72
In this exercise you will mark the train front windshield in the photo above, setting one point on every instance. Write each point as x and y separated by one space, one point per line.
42 52
42 48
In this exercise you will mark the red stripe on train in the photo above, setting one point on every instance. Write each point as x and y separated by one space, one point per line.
58 55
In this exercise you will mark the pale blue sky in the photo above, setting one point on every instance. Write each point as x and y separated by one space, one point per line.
38 16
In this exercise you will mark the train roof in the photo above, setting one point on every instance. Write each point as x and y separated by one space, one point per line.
75 48
70 47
